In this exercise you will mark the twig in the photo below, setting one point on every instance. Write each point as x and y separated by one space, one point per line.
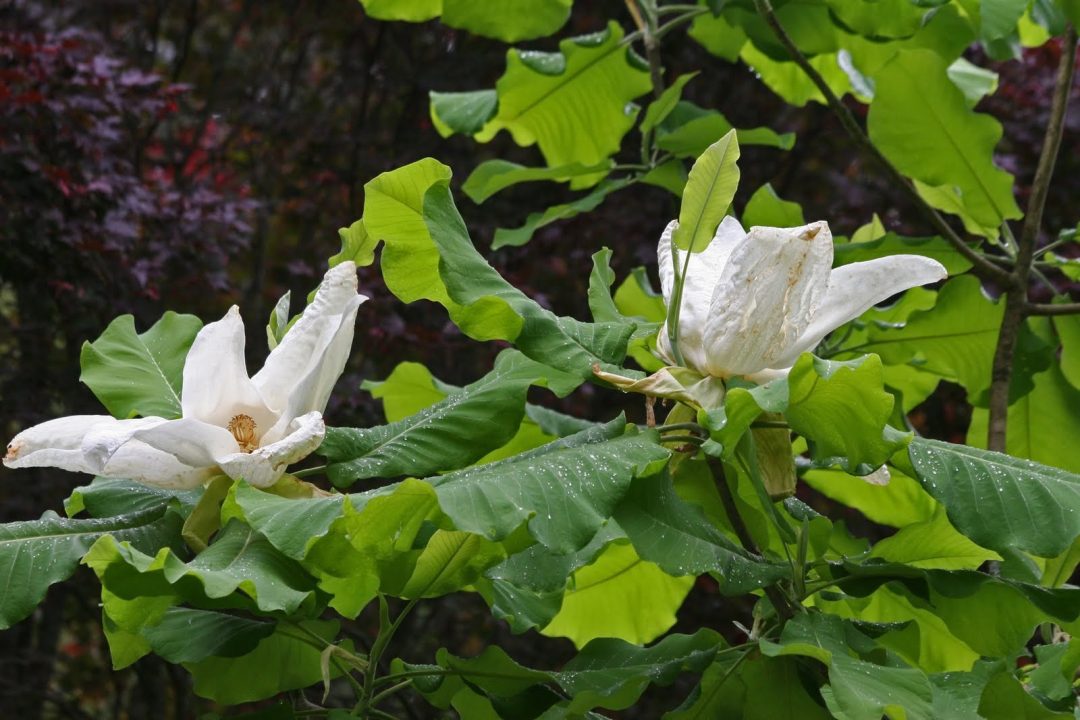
1016 302
779 601
982 267
1054 309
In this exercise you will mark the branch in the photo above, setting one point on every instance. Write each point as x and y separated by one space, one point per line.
1016 302
982 267
1055 309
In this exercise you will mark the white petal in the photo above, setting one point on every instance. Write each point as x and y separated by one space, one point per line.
301 371
138 461
190 441
104 439
703 272
56 443
771 286
266 464
216 384
855 288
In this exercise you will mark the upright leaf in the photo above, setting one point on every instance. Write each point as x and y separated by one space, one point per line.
139 373
708 193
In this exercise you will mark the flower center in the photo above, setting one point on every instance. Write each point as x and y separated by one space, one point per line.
242 428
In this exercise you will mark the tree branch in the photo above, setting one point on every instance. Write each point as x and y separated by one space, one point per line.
982 267
1055 309
1016 302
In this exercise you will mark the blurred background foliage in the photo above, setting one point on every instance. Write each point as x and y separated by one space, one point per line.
189 154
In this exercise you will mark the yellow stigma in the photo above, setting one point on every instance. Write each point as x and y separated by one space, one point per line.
242 428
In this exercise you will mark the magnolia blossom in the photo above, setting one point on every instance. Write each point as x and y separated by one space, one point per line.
754 301
245 427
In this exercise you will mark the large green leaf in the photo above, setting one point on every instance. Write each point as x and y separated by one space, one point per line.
289 659
109 497
574 104
1001 502
34 554
507 20
892 244
139 373
921 123
190 635
767 208
491 176
900 503
932 544
708 193
563 343
689 130
679 538
843 410
448 435
565 489
518 236
619 595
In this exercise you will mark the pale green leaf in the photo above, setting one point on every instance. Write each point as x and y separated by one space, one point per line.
709 191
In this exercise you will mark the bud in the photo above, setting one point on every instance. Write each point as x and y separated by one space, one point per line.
774 458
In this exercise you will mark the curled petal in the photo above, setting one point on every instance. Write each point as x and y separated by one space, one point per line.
135 460
56 443
190 441
853 289
769 290
671 383
216 384
301 371
263 466
702 274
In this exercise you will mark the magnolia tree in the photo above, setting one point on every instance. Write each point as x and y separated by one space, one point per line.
766 362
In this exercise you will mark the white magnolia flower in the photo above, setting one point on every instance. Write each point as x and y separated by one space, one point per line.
244 427
754 302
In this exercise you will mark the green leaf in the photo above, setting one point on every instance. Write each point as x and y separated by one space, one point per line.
689 131
766 208
975 82
619 595
1000 502
679 538
718 36
564 343
507 20
565 489
407 390
1006 699
139 373
291 525
190 635
287 660
356 245
920 121
574 104
843 410
448 435
1068 331
709 191
35 554
240 562
462 112
660 108
932 544
492 176
1042 425
451 561
898 504
109 497
409 10
519 236
999 17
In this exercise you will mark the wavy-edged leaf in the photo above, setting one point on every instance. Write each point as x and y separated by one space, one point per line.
191 635
574 104
492 176
920 121
516 237
35 554
689 130
139 373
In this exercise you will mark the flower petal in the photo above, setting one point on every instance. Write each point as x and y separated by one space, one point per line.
702 274
216 384
190 441
855 288
56 443
301 371
138 461
266 464
771 286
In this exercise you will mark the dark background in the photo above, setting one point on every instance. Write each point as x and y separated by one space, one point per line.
191 154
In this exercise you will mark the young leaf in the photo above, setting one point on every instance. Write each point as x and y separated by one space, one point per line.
521 235
660 108
139 373
708 193
491 176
